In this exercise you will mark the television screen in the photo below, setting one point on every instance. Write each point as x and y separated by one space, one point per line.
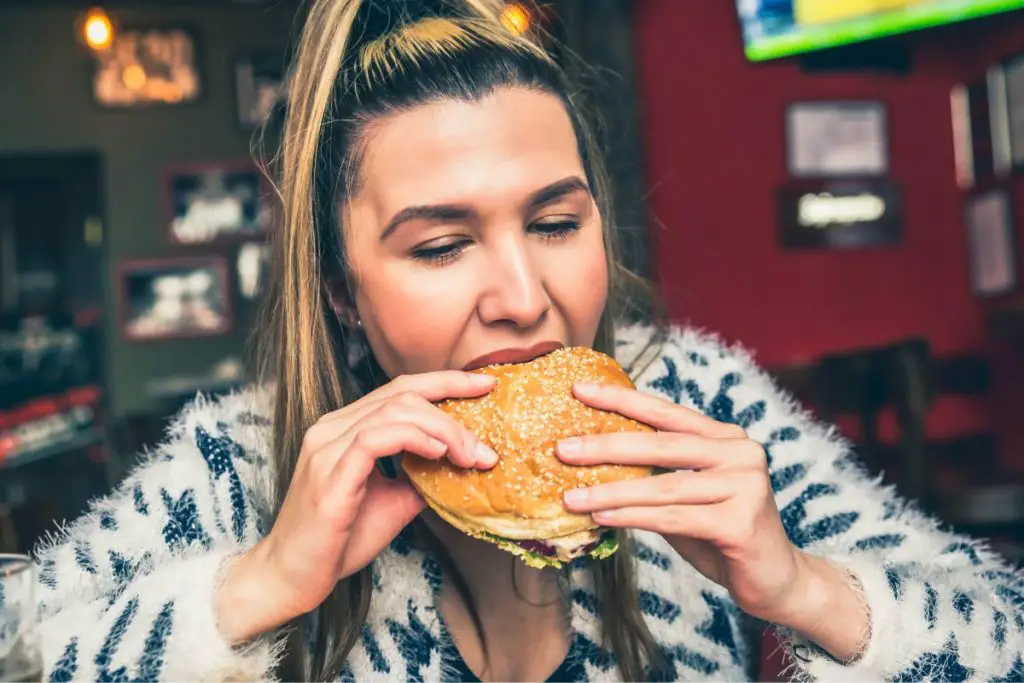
779 28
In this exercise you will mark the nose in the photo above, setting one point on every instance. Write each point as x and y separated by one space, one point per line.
515 292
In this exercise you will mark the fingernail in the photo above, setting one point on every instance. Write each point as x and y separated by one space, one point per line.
586 387
481 380
603 517
438 445
576 496
485 456
571 446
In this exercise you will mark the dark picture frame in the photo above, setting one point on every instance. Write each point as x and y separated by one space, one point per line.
260 87
149 66
828 139
991 242
216 202
174 298
1009 77
982 134
840 214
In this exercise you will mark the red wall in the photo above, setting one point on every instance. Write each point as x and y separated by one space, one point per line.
714 143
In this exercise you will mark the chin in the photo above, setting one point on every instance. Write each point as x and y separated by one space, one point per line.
517 505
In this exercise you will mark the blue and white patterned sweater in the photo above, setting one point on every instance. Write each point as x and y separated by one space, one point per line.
127 591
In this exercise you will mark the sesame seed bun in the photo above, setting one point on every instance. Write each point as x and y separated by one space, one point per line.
529 410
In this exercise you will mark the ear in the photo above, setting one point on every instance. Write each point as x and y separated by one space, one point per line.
340 300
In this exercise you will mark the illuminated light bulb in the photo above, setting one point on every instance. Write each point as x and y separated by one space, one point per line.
516 18
133 77
98 30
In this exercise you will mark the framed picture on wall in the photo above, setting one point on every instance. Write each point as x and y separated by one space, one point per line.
982 128
840 214
991 246
252 264
148 66
216 202
175 297
1011 80
260 85
836 139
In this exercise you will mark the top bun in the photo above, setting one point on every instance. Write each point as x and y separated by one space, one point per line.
529 410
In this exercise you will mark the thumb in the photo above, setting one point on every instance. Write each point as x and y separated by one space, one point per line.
395 503
389 506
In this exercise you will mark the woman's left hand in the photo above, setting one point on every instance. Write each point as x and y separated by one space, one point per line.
715 506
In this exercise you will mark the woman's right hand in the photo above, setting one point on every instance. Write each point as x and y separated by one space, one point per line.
340 512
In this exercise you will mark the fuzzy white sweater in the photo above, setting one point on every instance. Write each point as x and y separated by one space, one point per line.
126 592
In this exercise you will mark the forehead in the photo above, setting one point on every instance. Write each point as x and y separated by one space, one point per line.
511 141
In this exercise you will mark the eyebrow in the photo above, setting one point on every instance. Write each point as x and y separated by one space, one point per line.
463 213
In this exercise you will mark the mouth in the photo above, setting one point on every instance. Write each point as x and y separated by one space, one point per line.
522 355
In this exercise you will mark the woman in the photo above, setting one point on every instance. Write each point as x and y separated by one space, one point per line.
444 200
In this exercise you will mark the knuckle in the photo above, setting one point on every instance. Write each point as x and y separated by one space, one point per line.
663 411
665 444
676 518
318 469
310 440
393 410
667 485
403 383
408 399
753 453
365 441
734 431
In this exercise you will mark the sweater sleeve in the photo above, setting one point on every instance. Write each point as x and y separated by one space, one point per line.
941 606
127 591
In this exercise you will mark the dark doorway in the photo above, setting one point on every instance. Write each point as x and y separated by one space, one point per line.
52 310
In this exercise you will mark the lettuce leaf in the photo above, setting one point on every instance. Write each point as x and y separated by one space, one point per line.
606 548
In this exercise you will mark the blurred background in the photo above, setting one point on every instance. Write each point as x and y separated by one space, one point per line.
834 183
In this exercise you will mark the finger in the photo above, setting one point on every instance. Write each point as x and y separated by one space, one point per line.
464 449
431 386
702 522
438 386
676 488
654 411
332 425
388 507
662 449
353 411
358 460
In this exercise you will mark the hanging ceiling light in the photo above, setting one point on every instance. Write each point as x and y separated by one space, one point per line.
97 29
516 18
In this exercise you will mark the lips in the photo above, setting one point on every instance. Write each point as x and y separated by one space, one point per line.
521 355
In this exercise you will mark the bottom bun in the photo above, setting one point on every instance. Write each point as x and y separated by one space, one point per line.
598 543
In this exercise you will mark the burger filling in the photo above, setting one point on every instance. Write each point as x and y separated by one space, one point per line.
553 551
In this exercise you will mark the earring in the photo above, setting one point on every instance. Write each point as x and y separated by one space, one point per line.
356 348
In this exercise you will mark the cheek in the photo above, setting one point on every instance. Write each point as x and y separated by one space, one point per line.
415 316
579 286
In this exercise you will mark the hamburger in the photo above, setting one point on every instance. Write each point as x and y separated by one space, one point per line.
518 503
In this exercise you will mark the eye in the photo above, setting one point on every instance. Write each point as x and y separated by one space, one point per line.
440 254
556 229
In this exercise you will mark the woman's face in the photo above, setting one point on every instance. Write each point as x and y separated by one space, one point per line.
473 236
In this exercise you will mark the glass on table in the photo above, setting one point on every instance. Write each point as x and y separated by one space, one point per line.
19 652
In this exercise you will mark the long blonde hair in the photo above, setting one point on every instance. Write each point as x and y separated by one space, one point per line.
358 60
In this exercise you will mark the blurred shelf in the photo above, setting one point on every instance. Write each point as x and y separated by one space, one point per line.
76 442
60 470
